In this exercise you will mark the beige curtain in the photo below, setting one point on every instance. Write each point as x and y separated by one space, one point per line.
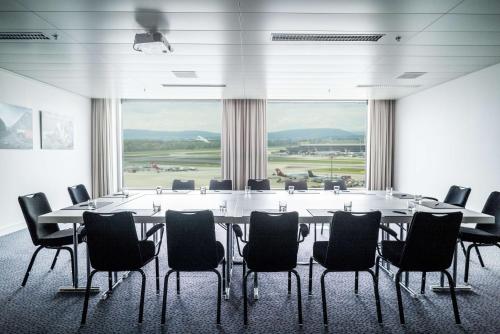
244 141
381 115
106 146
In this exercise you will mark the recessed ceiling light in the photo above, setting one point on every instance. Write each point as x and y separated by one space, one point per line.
185 74
411 75
196 85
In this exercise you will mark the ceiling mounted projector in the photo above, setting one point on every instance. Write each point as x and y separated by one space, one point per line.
152 42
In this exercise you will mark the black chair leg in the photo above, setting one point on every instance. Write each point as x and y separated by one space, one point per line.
322 226
224 277
451 284
219 293
87 295
422 285
323 298
165 290
289 283
31 265
467 264
479 255
244 266
178 275
255 285
310 275
400 300
110 282
245 298
299 295
143 290
463 247
157 268
377 266
377 296
356 282
55 259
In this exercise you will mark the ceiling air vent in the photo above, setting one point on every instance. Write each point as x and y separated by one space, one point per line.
196 85
387 86
286 37
411 75
23 36
185 74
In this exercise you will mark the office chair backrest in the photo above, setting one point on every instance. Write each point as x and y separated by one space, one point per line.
299 185
78 194
32 206
353 240
183 185
330 184
257 184
112 241
220 185
272 243
191 240
431 241
492 207
457 196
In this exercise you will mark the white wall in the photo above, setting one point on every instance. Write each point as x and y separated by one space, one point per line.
48 171
450 134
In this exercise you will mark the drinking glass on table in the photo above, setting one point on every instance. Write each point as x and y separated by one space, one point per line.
388 191
291 189
411 205
248 189
92 204
336 189
203 190
156 206
223 205
282 206
125 192
159 190
418 199
348 206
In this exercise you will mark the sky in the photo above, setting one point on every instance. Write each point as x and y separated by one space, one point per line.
164 115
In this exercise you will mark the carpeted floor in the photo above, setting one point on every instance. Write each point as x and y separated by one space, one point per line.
39 308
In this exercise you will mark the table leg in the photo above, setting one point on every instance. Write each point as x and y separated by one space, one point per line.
458 287
229 259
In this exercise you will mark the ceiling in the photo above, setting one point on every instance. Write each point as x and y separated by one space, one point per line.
229 42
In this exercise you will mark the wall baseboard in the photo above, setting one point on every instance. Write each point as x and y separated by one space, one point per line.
11 228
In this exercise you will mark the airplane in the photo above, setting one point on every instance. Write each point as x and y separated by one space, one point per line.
317 178
291 176
202 139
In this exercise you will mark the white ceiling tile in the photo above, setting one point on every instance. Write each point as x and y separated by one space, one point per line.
469 38
7 5
460 22
19 21
478 7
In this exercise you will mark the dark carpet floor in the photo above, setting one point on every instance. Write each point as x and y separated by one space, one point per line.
39 308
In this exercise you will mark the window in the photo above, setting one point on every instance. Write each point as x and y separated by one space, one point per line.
165 140
317 141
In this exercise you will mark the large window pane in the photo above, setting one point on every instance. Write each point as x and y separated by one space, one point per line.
166 140
317 141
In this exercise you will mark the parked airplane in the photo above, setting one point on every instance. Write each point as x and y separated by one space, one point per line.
317 178
291 176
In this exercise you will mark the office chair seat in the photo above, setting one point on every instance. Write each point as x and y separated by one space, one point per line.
476 235
392 250
61 238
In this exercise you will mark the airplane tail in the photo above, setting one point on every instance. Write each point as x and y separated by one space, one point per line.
310 173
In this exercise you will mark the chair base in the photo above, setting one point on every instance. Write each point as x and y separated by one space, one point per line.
72 289
446 288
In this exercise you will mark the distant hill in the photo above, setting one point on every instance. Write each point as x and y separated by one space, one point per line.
320 133
296 134
131 134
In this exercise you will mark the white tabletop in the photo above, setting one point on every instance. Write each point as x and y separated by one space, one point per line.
312 206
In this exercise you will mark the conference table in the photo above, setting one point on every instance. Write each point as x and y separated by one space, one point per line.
314 207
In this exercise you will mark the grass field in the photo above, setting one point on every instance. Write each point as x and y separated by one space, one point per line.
204 164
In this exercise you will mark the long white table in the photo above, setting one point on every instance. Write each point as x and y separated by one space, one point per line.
313 207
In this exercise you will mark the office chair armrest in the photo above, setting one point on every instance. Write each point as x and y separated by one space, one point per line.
155 229
303 232
238 232
390 231
431 198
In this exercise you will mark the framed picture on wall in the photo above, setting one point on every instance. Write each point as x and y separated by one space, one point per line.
56 131
16 127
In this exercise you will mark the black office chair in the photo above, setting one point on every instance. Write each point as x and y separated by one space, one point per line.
272 247
351 247
183 185
45 235
220 185
329 185
456 195
429 247
299 185
78 194
113 246
192 247
259 184
483 235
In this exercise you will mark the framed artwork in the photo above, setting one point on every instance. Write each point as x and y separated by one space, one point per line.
16 127
56 131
